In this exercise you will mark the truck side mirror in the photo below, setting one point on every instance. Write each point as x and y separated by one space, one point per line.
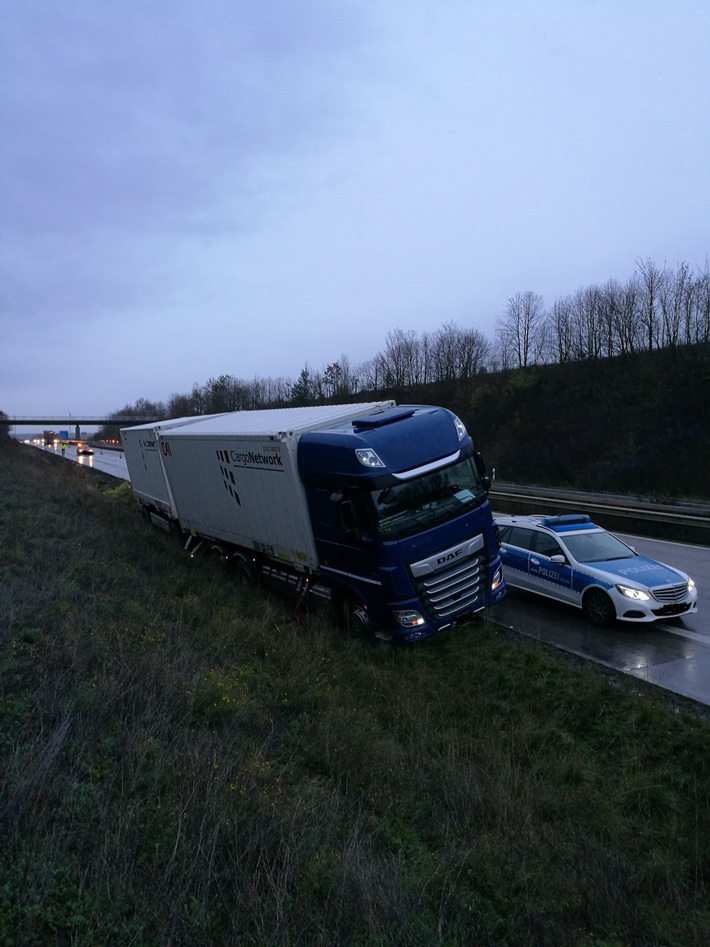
481 468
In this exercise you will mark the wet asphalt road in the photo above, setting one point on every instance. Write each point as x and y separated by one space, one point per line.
673 654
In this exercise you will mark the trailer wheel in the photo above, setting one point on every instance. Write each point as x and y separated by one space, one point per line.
356 621
245 572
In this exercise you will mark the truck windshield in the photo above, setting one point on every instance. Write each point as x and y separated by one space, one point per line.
414 505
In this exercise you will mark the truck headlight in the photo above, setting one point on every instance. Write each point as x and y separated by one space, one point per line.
409 618
497 578
636 594
367 457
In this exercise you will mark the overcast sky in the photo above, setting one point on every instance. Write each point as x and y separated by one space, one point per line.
246 186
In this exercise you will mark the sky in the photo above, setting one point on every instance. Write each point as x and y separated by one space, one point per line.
246 187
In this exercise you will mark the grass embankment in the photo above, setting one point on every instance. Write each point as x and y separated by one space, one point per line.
184 763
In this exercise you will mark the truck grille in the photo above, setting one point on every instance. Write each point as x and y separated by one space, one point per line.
452 590
670 593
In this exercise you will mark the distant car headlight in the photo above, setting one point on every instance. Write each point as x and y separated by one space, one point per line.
636 594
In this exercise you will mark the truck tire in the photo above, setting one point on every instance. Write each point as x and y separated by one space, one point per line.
598 608
245 572
356 621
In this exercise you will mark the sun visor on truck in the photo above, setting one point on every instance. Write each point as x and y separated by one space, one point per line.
385 417
403 438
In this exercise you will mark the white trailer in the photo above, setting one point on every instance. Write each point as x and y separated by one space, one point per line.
145 467
234 477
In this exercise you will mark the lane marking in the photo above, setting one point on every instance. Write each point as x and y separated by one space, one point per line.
682 633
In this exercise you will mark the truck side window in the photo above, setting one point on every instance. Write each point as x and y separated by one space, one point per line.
348 517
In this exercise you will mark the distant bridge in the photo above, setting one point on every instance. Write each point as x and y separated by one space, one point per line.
71 420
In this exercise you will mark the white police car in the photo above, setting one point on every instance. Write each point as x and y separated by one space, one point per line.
570 559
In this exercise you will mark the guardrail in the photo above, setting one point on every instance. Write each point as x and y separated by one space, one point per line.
682 521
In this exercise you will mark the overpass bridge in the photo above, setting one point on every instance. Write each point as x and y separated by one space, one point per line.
72 420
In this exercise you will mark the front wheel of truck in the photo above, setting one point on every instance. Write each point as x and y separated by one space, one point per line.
356 621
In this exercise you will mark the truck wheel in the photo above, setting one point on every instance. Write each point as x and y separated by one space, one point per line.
356 621
245 573
598 608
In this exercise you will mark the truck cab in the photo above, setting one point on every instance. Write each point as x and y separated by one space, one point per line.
401 520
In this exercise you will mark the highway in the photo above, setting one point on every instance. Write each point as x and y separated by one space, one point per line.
109 461
673 654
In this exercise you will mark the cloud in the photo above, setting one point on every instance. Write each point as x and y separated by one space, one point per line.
200 188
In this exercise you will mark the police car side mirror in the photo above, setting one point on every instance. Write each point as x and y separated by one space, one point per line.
559 559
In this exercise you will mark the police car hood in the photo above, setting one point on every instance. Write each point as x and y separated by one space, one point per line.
639 569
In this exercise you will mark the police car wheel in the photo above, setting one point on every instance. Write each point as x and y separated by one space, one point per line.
598 608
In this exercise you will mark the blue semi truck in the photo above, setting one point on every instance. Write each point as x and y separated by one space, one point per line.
381 511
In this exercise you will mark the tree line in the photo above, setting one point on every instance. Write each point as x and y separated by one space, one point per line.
658 307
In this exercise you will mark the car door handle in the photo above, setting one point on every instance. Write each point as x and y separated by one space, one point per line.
535 562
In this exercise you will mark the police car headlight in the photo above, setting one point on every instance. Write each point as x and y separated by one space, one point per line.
409 618
636 594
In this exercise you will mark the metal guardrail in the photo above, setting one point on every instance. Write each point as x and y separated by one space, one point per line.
685 520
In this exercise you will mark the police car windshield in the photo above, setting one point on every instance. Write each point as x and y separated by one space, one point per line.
596 546
413 505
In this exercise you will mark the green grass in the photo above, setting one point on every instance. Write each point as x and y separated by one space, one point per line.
184 763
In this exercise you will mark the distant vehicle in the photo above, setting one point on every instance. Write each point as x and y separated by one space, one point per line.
84 451
572 560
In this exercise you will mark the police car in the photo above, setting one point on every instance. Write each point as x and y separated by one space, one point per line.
573 560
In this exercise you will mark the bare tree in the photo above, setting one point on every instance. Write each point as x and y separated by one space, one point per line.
402 359
457 353
651 279
197 397
270 391
586 320
558 331
521 331
701 330
629 331
670 296
610 305
369 377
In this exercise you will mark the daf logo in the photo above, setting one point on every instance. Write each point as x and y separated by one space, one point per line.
452 555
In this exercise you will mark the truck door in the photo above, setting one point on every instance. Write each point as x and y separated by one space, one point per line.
343 545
